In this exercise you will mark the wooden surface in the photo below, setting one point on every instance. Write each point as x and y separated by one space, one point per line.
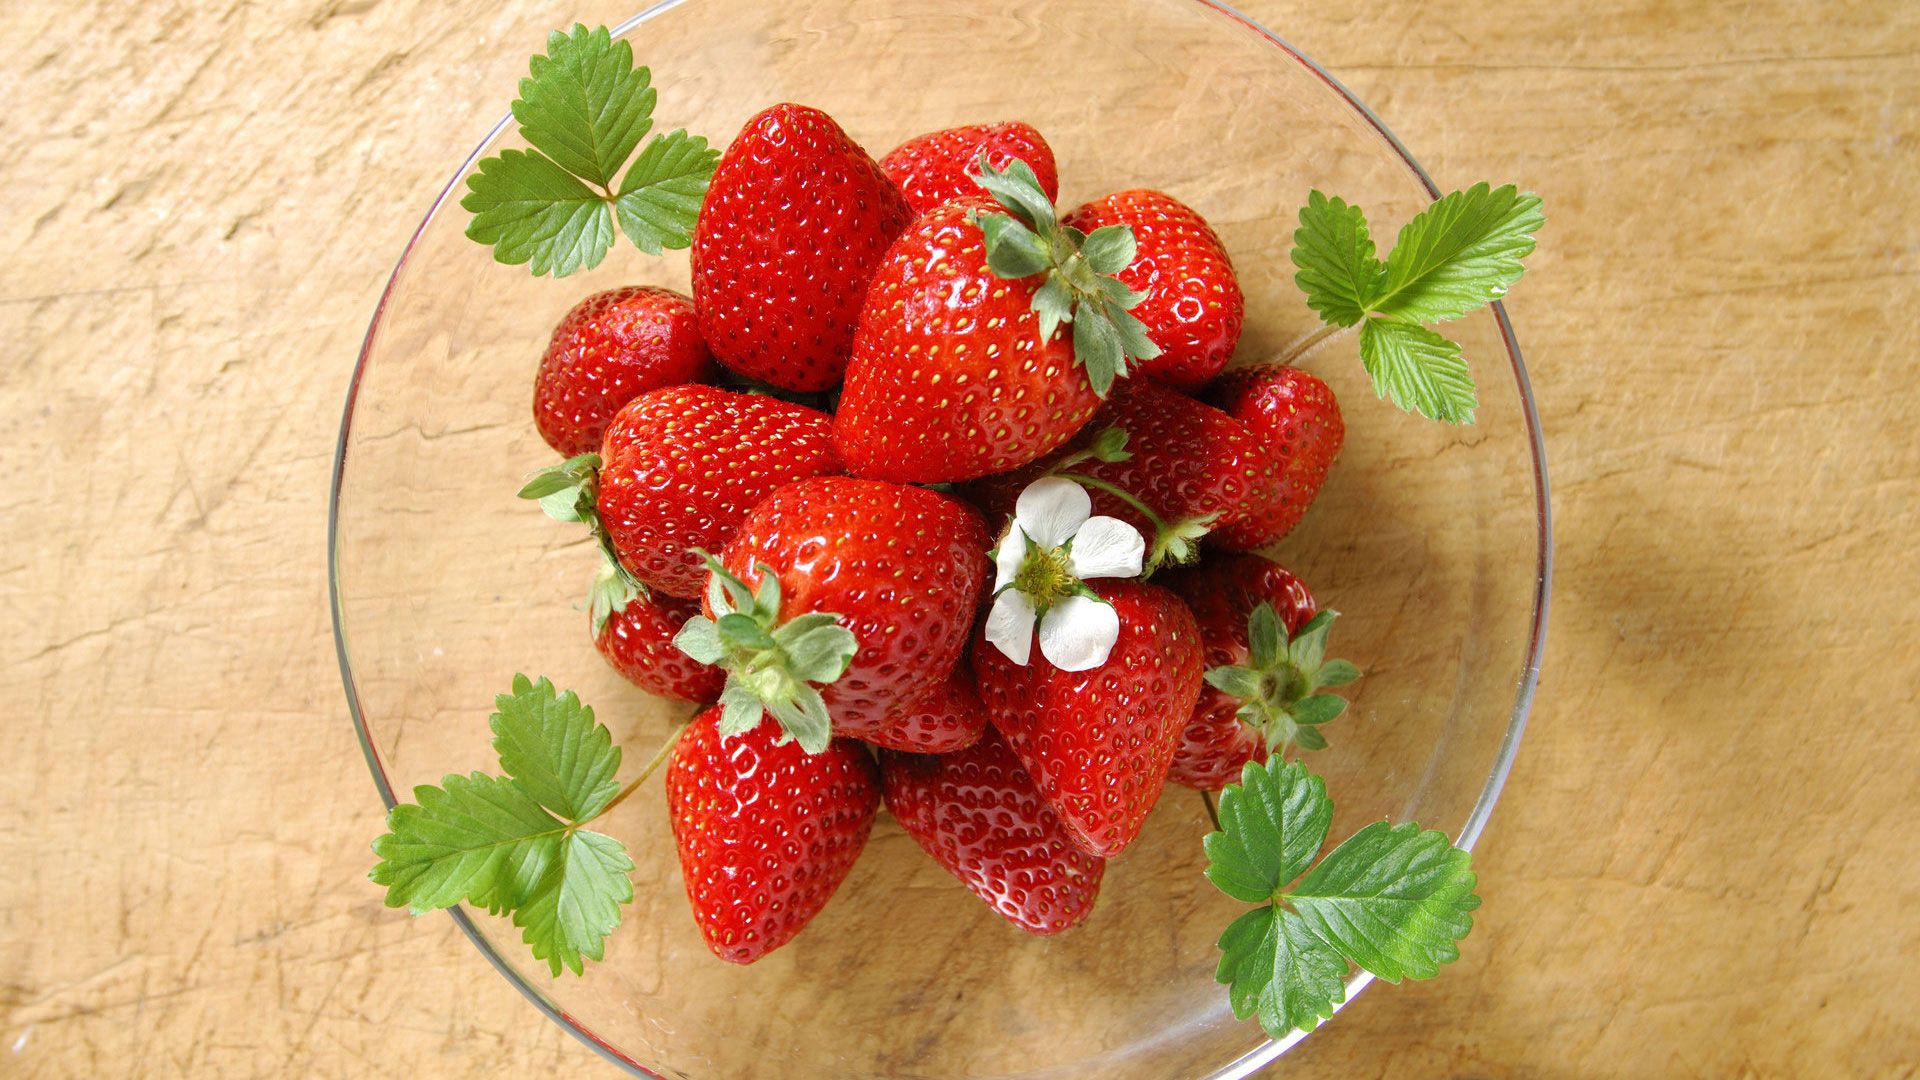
1704 863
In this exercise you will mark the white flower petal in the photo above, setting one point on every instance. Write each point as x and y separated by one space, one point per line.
1010 626
1012 552
1106 547
1078 633
1050 509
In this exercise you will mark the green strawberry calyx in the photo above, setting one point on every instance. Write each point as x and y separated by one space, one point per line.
772 666
1279 688
570 491
1079 284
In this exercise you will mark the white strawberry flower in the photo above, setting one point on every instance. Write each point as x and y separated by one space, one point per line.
1051 548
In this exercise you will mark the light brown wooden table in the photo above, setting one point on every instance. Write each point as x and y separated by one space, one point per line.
1705 863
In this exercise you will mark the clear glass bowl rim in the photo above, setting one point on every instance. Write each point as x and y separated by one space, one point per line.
1248 1063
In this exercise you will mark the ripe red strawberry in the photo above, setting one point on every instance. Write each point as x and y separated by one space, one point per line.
962 367
949 380
766 831
1298 421
901 569
938 167
1098 742
794 223
1186 460
682 466
1194 309
1222 592
981 817
948 717
638 641
609 349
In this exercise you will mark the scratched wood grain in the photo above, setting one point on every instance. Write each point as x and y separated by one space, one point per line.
1704 862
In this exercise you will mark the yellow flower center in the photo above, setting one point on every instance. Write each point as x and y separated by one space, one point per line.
1044 576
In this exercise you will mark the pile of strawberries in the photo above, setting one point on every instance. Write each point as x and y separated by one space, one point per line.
833 436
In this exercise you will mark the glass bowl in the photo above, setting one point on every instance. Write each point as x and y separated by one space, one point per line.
1432 541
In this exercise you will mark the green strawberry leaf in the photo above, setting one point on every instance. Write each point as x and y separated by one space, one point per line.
738 630
476 838
803 719
1308 648
577 902
583 109
1013 250
550 743
585 106
660 197
1096 344
1239 682
740 710
817 654
1054 303
1018 189
1111 445
1338 271
1418 369
1264 637
533 211
1272 827
1275 968
1392 900
613 588
700 639
1132 332
516 844
1460 253
1336 673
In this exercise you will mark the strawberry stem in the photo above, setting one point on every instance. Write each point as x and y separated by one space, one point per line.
1171 543
1306 345
666 748
1159 524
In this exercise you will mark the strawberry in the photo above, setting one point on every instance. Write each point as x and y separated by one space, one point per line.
794 223
1296 417
637 639
1265 645
946 718
981 817
958 369
1193 466
681 467
938 167
766 831
1222 593
607 350
950 389
1098 742
1194 308
838 602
